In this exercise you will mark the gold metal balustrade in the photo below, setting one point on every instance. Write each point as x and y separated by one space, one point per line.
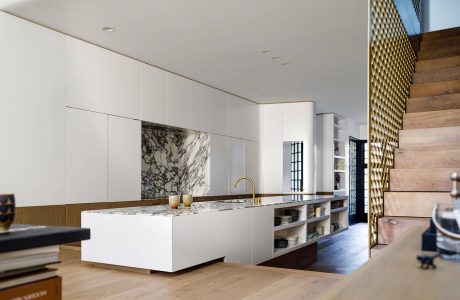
391 65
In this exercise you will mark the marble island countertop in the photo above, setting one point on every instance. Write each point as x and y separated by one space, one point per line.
213 206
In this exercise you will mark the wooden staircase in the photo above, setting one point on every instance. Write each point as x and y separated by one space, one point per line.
429 144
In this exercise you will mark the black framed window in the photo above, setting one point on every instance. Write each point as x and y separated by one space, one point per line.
296 166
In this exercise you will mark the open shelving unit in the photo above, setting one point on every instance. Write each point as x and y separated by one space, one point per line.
314 223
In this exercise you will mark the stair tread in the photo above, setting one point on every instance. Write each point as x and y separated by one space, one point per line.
432 119
437 63
433 35
435 88
427 157
413 204
421 180
433 103
440 43
390 228
422 137
437 53
452 73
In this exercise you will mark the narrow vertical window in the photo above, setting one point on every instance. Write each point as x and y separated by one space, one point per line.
296 166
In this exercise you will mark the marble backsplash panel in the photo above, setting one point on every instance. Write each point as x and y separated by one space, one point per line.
174 162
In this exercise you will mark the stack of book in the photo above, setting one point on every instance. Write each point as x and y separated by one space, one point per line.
26 266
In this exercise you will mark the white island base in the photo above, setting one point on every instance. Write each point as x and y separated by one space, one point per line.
158 238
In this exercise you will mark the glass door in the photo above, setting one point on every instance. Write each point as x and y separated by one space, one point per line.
358 181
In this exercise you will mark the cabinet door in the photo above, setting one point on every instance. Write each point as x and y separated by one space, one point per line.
209 109
101 80
236 166
86 156
154 94
219 165
32 122
178 111
238 117
251 164
124 159
262 234
238 236
272 148
243 119
198 238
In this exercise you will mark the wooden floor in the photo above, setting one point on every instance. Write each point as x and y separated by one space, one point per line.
213 281
344 252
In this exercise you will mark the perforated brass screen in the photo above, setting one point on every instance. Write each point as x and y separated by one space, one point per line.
392 63
416 4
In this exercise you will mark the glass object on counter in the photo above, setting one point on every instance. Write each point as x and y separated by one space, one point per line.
446 218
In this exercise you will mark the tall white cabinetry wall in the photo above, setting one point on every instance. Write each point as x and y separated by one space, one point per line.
73 113
280 123
32 125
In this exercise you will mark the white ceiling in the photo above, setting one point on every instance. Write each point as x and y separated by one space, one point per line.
219 43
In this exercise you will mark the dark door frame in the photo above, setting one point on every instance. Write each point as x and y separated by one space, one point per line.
360 215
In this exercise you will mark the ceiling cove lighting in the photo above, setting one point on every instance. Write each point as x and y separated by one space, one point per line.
108 29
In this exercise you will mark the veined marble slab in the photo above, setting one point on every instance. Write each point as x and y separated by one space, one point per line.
213 206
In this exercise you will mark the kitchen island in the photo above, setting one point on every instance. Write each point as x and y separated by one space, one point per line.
240 231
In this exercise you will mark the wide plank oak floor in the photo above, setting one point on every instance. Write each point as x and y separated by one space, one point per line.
212 281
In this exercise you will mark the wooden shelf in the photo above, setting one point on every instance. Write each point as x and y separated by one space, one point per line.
342 190
341 171
341 157
318 219
282 251
289 225
338 209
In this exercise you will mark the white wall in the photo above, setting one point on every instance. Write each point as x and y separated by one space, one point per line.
440 14
48 157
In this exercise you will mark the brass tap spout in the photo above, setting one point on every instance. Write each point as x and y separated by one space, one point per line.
254 199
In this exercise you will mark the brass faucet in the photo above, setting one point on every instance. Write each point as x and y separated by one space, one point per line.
254 199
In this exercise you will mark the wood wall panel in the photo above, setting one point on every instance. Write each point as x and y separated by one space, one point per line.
70 214
54 215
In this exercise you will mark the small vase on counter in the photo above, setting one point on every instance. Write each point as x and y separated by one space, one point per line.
187 200
174 201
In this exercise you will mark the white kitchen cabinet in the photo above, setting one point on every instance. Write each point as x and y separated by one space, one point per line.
238 236
219 164
101 80
86 178
262 234
251 164
209 109
192 236
236 166
124 159
253 122
178 105
272 148
32 122
243 119
154 94
295 121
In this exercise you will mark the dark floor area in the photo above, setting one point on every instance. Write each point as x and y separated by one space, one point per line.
344 252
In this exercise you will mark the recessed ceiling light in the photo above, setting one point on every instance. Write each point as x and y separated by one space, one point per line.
285 64
266 52
108 29
276 58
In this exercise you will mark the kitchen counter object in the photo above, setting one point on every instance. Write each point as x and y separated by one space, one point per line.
214 206
395 273
163 239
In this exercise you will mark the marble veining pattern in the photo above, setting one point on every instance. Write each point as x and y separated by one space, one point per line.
174 162
213 206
